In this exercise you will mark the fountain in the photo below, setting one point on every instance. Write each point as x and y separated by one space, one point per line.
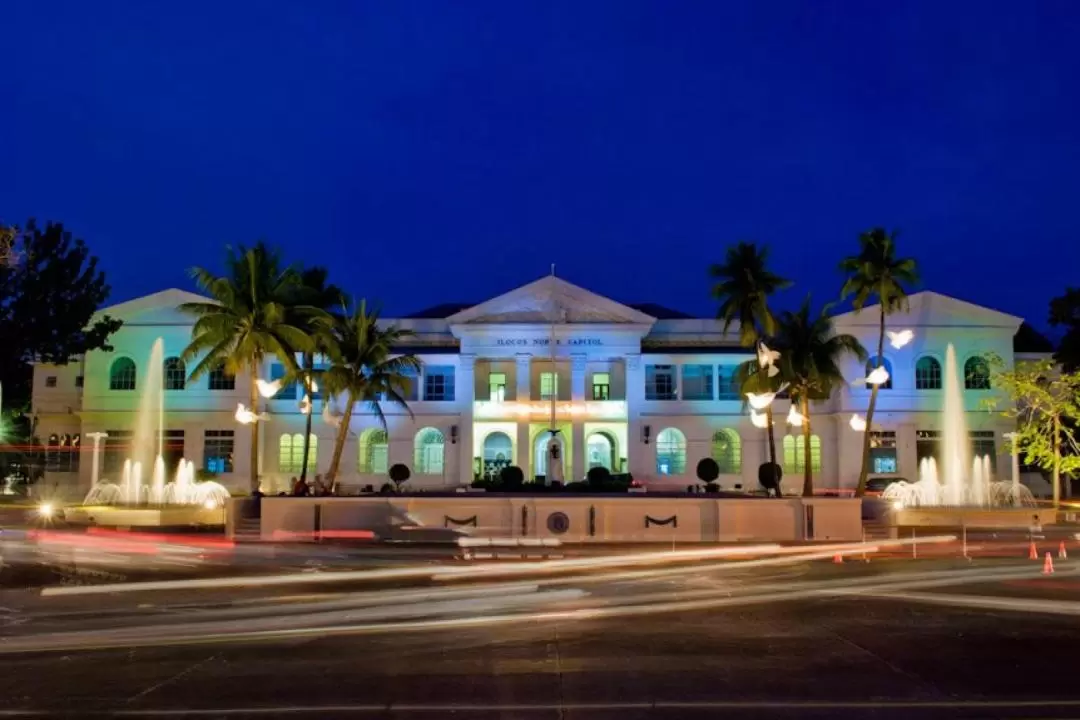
966 489
142 498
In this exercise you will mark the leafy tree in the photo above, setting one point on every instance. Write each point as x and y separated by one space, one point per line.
365 370
810 357
250 317
512 477
1045 403
707 472
1065 313
876 273
50 291
399 473
743 287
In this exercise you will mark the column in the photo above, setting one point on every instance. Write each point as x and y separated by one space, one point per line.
523 449
577 468
577 378
638 454
522 374
465 389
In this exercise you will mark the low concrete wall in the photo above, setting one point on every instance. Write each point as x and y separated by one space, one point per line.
972 517
567 518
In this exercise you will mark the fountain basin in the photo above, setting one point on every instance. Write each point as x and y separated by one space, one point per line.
973 517
165 516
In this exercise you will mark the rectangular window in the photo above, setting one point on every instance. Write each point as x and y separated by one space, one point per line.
172 450
728 383
497 387
601 386
288 392
218 451
982 444
549 386
78 381
320 364
117 450
660 382
928 446
219 379
883 452
439 383
697 382
50 381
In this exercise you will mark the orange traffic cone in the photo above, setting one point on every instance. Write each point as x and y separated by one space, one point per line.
1061 551
1033 554
838 559
1048 565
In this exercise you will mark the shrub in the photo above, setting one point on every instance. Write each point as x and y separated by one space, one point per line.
511 477
598 476
707 470
399 473
387 489
712 487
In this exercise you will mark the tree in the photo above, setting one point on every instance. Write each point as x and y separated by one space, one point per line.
50 292
707 472
317 299
743 286
876 273
1065 313
1044 400
365 370
248 319
399 473
810 357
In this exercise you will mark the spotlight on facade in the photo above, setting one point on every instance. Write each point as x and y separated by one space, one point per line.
900 338
858 423
878 376
268 389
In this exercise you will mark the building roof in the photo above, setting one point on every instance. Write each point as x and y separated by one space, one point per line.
438 312
661 312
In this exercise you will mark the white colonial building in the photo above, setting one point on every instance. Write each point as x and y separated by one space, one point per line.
639 389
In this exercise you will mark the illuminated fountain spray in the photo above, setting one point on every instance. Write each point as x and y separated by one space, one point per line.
954 435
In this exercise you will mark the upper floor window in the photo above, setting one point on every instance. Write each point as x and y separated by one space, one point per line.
601 386
221 379
927 374
439 382
497 387
872 364
670 452
175 373
50 381
697 382
549 386
795 453
976 374
287 392
660 382
728 383
122 374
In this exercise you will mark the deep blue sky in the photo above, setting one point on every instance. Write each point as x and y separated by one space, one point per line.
442 151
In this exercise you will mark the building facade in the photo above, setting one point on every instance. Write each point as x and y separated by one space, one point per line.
638 389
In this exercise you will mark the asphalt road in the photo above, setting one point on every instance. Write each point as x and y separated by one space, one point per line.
891 638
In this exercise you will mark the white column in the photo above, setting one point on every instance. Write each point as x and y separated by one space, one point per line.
95 468
576 470
522 374
638 455
466 389
524 451
577 378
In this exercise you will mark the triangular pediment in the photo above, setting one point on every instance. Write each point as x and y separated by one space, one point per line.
160 308
550 299
931 309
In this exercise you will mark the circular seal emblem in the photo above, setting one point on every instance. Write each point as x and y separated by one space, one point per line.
558 523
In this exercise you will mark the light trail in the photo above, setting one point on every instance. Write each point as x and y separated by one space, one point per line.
984 602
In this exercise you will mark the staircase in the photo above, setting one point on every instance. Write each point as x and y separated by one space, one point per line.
248 530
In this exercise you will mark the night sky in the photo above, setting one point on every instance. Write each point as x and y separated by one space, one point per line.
436 152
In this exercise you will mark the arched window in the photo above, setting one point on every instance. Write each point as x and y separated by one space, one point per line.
221 379
727 451
122 374
374 452
601 451
873 363
794 457
976 373
498 453
927 374
429 452
670 452
291 453
175 373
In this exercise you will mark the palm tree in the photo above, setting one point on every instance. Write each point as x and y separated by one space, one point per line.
743 286
319 299
876 273
364 369
810 357
247 319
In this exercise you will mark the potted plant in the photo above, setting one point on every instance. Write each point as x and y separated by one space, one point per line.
707 472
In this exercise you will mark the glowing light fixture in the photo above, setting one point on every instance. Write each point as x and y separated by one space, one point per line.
878 376
305 405
900 338
210 505
767 359
245 416
759 420
795 418
46 510
898 505
760 401
268 389
858 423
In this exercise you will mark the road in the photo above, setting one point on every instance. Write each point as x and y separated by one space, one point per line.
682 637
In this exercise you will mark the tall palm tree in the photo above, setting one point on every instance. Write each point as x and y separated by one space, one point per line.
247 319
876 273
810 358
364 369
743 286
319 298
